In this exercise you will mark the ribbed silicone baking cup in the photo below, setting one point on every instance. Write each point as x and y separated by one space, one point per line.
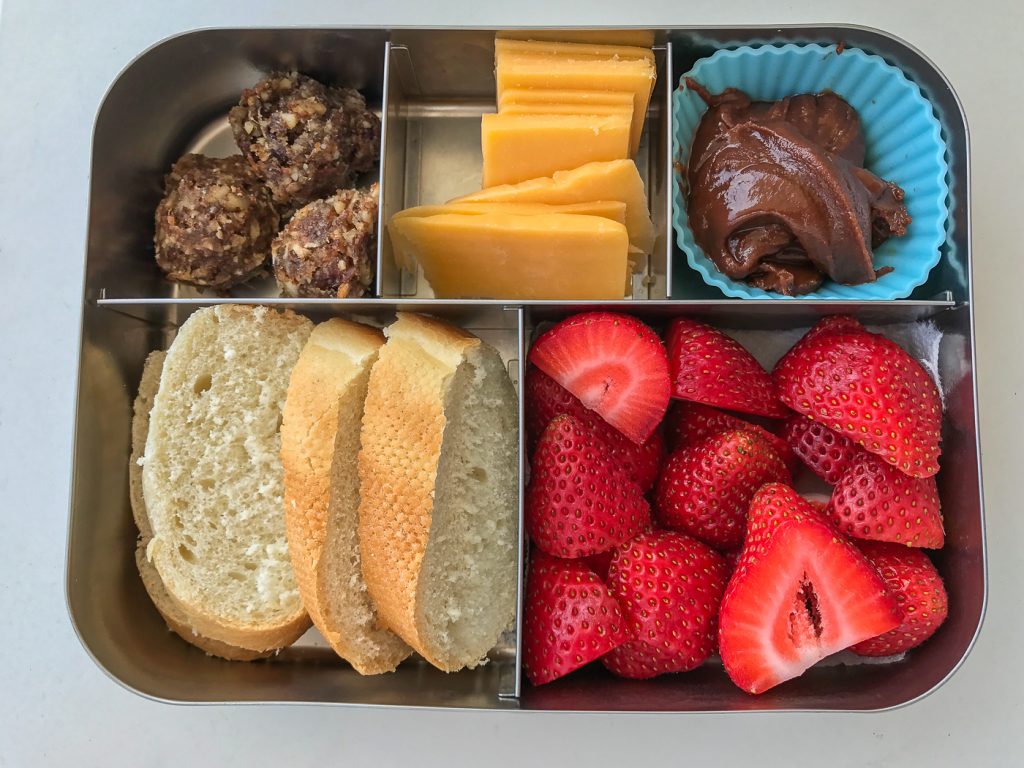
901 133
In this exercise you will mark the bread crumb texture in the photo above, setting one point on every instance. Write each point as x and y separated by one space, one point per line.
212 474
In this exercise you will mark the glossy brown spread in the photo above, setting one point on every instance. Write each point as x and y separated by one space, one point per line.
779 196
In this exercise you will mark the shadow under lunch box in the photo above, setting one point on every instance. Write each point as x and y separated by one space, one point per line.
430 87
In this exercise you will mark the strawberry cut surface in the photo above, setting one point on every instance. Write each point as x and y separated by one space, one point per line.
874 500
669 587
709 367
704 490
570 618
688 423
546 398
864 386
918 589
800 592
614 364
580 501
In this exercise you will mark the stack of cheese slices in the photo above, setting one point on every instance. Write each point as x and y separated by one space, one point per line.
563 211
283 472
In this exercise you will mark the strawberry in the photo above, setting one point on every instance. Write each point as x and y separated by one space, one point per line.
704 490
614 364
600 563
919 591
825 452
570 618
580 501
669 587
689 423
711 368
546 398
874 500
800 592
867 388
830 324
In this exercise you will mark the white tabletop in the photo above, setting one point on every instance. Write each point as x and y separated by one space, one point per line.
57 58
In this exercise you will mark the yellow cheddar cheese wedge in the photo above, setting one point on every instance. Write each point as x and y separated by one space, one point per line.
606 209
584 100
521 147
616 180
551 72
570 50
507 256
640 37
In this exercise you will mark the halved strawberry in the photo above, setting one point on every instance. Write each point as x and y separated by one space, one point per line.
874 500
866 387
614 364
688 423
669 587
704 490
711 368
824 451
546 398
800 592
919 591
580 500
570 618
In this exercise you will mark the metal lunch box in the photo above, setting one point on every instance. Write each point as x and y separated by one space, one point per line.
431 86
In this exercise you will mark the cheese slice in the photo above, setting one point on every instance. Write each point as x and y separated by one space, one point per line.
639 37
568 109
570 50
508 256
606 209
536 102
584 100
521 147
616 180
552 72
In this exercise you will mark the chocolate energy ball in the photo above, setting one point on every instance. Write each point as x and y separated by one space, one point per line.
303 138
215 222
328 247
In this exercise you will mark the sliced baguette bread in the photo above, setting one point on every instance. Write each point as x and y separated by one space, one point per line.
173 615
212 477
438 475
319 450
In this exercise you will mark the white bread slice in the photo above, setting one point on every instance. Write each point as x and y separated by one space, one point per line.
319 450
212 476
438 491
175 618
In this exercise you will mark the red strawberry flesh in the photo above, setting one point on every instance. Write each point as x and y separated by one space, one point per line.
570 618
669 587
614 364
800 592
864 386
704 490
580 500
711 368
918 589
546 398
874 500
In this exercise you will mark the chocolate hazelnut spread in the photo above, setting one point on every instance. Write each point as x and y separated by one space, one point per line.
779 196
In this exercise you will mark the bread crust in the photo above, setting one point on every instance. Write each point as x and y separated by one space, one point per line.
404 411
337 354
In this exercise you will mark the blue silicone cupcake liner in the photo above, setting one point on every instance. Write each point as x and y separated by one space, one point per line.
902 135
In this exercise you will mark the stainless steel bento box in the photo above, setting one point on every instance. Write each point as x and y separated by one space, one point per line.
431 86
